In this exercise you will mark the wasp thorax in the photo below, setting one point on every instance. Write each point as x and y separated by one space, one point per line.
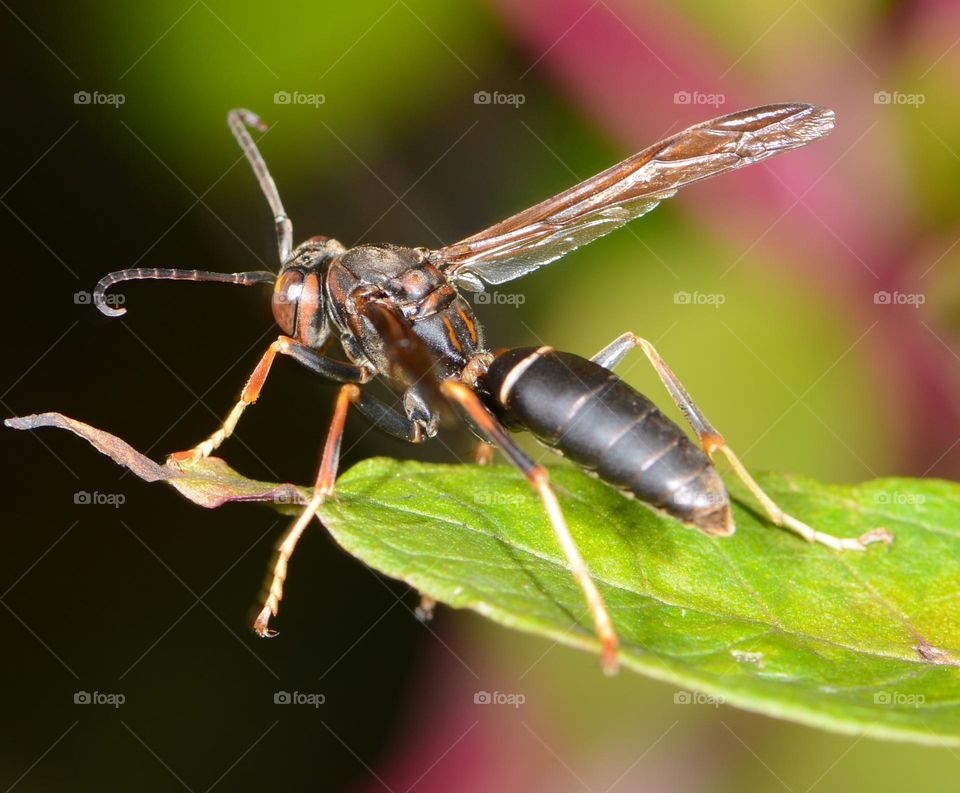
414 284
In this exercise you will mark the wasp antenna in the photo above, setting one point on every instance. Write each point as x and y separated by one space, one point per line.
239 119
157 274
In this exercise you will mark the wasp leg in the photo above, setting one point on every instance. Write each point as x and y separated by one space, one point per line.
483 453
322 489
384 418
338 371
424 611
712 442
615 351
413 430
393 422
537 477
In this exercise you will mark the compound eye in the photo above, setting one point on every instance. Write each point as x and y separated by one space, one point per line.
286 299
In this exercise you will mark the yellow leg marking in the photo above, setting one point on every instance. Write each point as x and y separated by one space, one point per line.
781 518
323 489
249 395
581 573
284 552
537 477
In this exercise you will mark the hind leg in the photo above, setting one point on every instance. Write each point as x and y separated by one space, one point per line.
712 441
536 476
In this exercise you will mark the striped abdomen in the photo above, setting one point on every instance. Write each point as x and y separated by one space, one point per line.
592 417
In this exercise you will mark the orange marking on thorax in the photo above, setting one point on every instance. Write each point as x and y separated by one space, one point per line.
454 340
471 328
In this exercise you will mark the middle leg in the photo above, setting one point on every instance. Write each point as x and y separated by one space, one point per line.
323 488
385 418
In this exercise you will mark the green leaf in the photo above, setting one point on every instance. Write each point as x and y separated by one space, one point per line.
854 642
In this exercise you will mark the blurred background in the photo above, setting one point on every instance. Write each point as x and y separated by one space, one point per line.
810 304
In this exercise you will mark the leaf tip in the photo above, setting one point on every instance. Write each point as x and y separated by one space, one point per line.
20 422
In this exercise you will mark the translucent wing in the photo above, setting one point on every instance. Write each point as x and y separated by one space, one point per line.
545 232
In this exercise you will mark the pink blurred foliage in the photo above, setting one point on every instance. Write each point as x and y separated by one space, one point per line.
839 212
856 232
450 743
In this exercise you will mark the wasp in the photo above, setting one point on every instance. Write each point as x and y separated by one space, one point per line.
399 314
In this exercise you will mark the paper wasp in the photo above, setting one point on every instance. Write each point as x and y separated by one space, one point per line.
398 314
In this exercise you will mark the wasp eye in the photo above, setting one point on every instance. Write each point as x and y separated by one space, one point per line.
286 299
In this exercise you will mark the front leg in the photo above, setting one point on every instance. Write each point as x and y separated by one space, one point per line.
338 371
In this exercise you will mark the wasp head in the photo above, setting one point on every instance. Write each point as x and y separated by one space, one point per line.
298 299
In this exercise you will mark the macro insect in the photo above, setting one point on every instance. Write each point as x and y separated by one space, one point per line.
398 314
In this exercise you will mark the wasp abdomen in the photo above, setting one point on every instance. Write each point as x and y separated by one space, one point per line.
595 419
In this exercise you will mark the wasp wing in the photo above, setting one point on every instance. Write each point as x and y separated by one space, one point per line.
545 232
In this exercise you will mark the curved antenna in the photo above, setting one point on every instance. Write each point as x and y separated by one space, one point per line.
139 274
239 119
